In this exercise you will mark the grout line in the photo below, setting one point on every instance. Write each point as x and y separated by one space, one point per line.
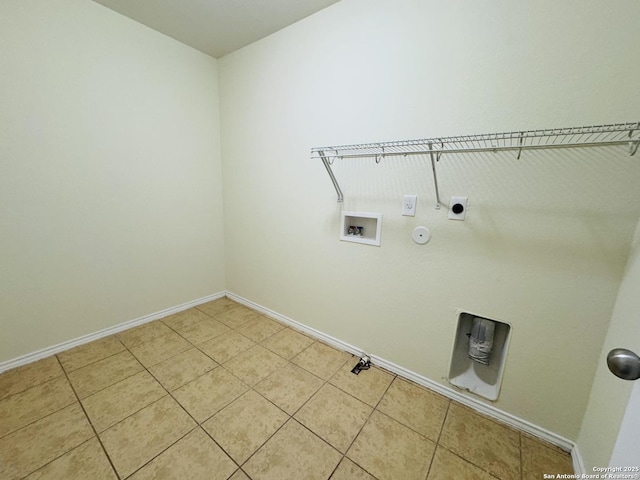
465 459
316 435
269 438
115 383
124 348
95 432
252 388
324 382
161 452
169 393
450 392
410 427
62 374
65 374
336 467
444 421
291 416
375 408
520 451
136 411
39 418
198 424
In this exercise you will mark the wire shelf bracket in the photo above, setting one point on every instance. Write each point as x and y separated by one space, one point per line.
624 134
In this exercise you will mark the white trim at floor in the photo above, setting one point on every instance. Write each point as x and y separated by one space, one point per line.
60 347
448 392
458 396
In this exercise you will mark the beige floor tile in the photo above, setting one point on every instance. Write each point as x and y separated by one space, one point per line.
140 437
389 450
194 457
255 364
321 360
104 373
237 316
416 407
538 459
184 367
491 446
447 466
209 393
291 451
217 306
143 333
25 450
203 331
160 348
30 405
335 416
287 343
239 475
226 346
347 470
289 387
27 376
111 405
244 425
85 462
260 328
368 385
90 352
186 318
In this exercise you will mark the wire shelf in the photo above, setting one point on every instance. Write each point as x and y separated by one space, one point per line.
625 134
593 136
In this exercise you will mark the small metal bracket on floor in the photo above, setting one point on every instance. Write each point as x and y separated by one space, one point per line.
363 364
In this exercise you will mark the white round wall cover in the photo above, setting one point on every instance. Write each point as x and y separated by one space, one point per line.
421 235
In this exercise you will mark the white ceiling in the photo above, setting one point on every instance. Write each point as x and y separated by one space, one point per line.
217 27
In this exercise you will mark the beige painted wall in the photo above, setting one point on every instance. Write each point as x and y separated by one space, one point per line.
110 182
547 237
609 394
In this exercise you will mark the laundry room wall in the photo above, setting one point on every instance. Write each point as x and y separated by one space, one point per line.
110 180
546 238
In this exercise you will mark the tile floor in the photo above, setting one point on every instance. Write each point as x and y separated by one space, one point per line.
222 392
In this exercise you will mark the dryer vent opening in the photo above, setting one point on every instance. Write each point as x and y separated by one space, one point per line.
479 354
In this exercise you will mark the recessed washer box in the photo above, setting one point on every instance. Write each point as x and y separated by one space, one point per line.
361 227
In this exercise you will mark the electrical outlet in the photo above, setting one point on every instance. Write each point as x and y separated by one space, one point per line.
409 205
458 208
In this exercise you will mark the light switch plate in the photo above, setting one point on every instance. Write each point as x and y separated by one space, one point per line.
409 205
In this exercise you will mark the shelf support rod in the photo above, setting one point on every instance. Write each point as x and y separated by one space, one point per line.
327 165
520 145
435 177
633 146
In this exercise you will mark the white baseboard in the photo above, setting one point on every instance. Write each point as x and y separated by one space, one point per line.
47 352
446 391
328 339
578 464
